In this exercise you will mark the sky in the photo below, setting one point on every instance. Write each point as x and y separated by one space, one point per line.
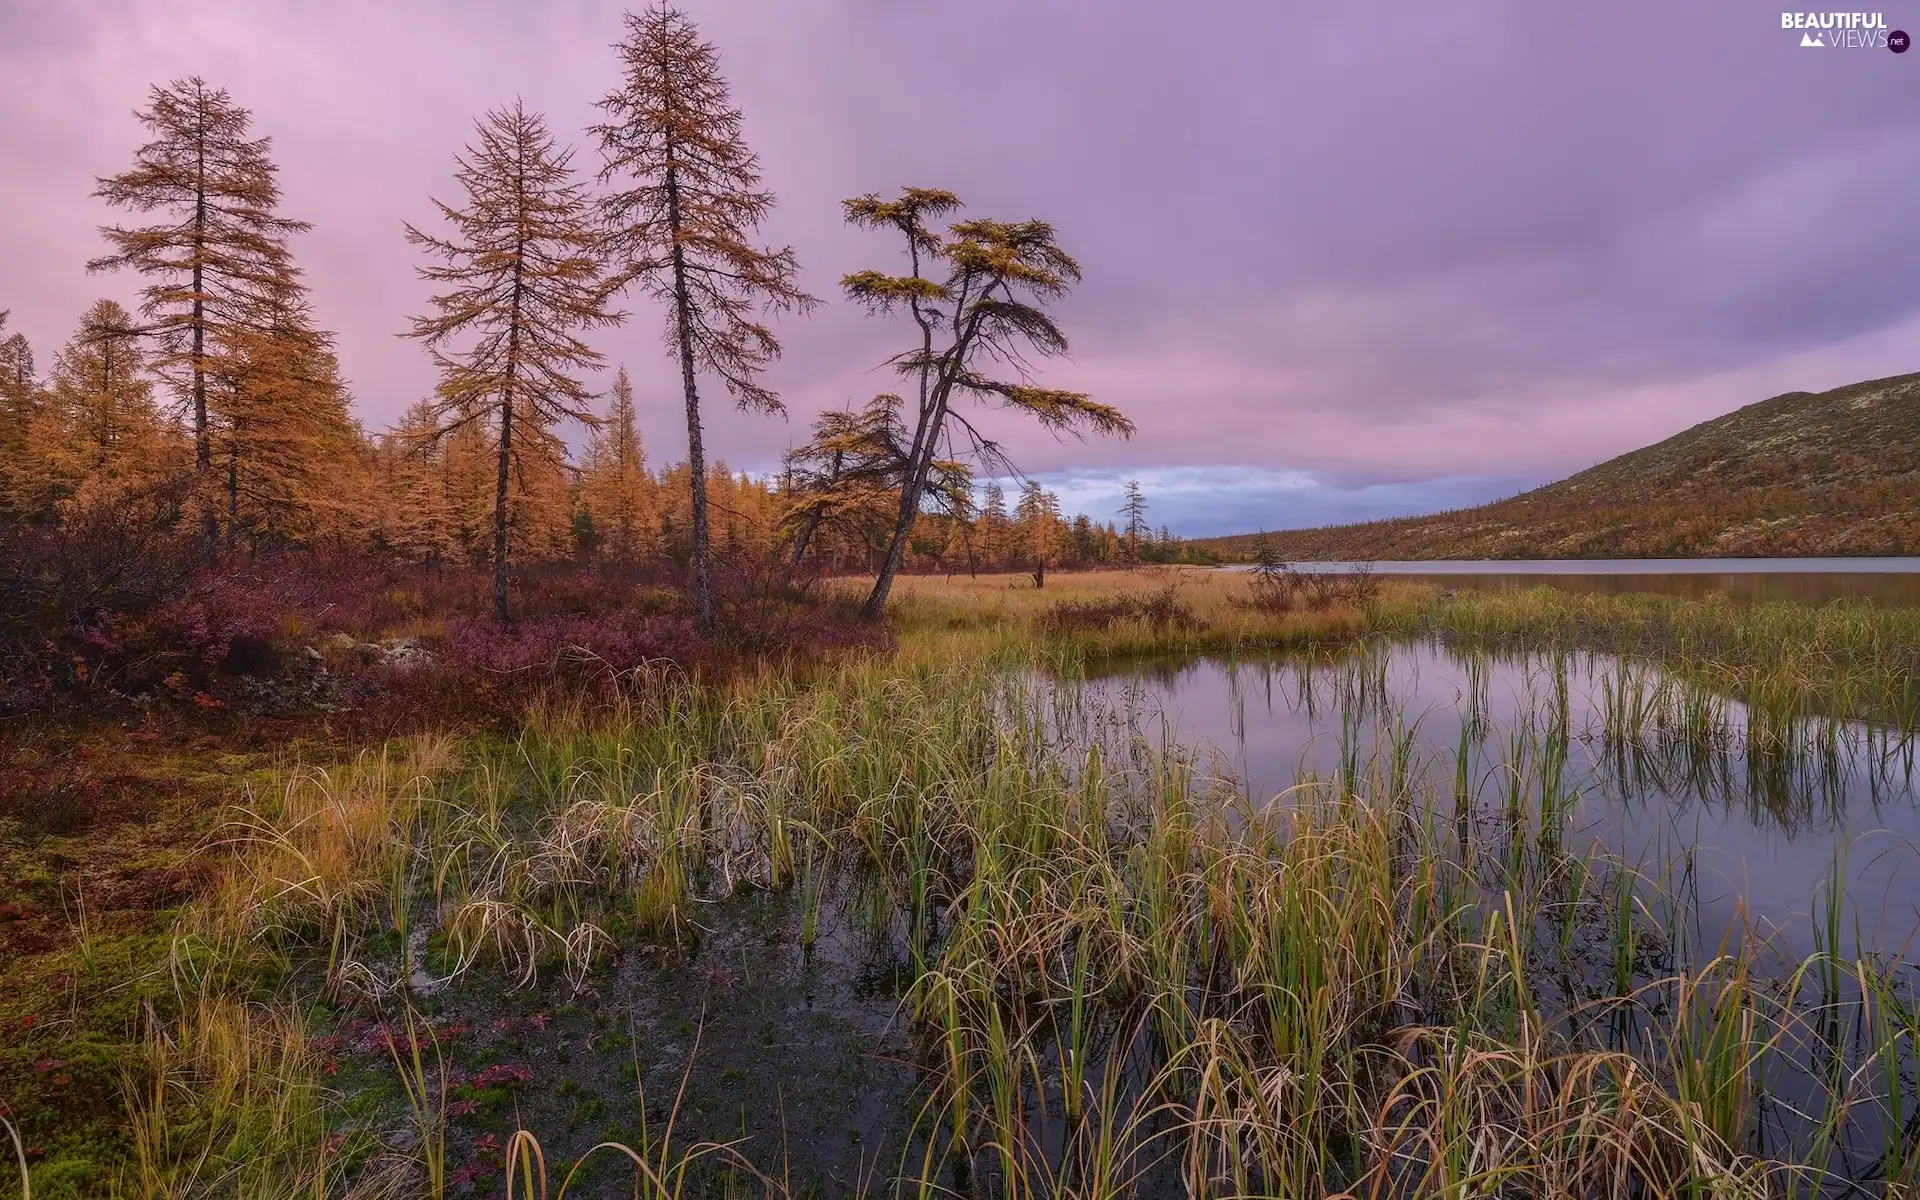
1340 262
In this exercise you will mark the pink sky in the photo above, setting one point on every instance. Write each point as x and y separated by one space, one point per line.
1338 262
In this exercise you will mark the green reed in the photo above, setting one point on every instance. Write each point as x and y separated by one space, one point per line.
1848 658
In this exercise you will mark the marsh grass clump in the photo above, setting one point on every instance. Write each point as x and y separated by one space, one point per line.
1853 660
1159 609
1095 616
1278 588
225 1101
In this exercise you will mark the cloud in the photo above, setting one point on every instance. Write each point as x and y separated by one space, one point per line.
1204 501
1384 246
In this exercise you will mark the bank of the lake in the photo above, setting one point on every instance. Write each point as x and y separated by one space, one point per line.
1892 581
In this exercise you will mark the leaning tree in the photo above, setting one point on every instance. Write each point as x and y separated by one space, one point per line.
977 299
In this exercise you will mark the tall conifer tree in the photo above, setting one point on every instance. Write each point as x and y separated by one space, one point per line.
97 429
523 278
615 492
101 381
19 404
217 259
285 445
1135 511
686 200
418 519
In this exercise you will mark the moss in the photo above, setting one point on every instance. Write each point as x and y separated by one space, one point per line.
103 875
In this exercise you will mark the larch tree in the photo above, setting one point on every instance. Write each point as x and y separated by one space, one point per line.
1085 542
285 446
417 517
844 473
615 492
523 275
217 258
993 523
1135 511
467 465
19 405
540 510
960 530
97 430
685 199
100 379
1037 517
977 297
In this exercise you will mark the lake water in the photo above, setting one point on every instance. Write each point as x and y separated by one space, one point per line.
1889 581
1744 831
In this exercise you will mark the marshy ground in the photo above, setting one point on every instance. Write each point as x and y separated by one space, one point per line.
1136 885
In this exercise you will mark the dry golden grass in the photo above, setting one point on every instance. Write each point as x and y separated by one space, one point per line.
944 616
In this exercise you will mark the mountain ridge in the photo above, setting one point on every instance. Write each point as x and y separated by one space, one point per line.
1798 474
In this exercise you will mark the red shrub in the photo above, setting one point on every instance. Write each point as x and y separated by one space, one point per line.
134 612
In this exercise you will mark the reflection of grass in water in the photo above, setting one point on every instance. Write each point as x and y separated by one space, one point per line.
1785 660
1115 972
1653 732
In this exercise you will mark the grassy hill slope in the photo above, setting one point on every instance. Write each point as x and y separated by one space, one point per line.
1800 474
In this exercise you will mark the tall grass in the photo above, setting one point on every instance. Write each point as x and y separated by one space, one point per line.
944 618
223 1101
1848 659
1125 973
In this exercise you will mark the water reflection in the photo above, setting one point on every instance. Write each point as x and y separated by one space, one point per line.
1754 817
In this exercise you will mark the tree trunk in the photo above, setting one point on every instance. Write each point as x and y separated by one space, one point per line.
696 452
506 405
926 436
233 493
500 509
912 486
800 543
876 605
202 442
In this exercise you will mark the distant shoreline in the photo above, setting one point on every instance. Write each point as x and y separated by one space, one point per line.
1803 565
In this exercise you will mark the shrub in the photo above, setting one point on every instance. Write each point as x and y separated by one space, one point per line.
1160 609
119 609
1278 588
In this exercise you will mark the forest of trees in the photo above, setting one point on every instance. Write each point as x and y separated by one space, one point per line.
222 397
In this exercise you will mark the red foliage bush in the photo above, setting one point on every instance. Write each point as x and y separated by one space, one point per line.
134 613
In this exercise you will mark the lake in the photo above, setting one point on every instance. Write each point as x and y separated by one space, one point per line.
1890 581
1755 825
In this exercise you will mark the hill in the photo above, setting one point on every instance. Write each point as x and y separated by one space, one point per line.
1832 473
